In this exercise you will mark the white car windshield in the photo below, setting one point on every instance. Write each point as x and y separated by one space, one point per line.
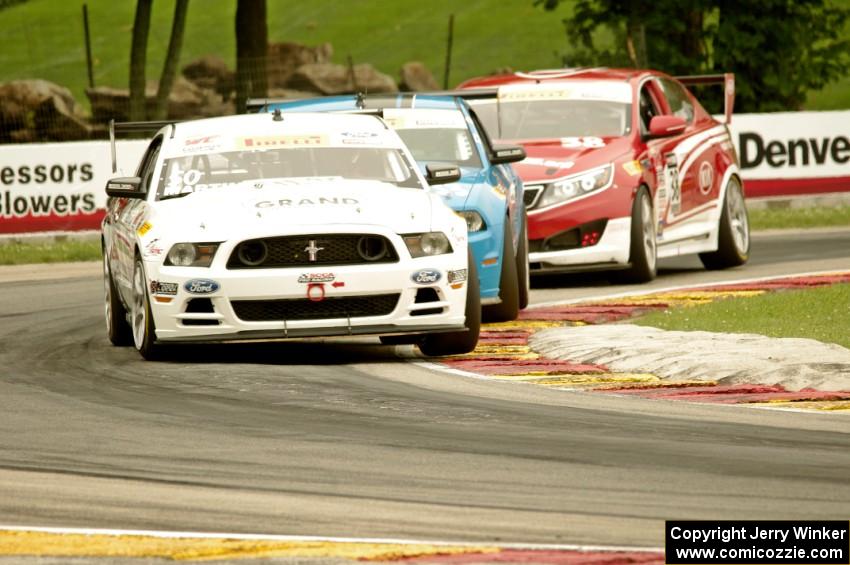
186 174
545 119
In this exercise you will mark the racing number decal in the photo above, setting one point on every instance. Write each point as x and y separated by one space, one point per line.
578 142
671 180
180 181
660 201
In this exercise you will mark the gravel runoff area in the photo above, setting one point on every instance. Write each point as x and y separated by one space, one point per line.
794 363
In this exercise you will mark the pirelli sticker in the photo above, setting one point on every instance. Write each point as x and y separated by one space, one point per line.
271 141
610 91
535 94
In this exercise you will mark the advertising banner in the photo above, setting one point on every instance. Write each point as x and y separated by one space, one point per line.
59 186
793 153
50 187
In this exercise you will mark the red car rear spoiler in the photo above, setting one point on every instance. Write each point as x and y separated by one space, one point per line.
726 79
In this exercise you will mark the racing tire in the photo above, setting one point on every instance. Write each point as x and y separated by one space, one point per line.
117 329
733 236
456 343
508 308
522 270
643 248
142 324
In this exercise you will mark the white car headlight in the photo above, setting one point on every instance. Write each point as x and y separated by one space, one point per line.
577 185
425 244
191 254
474 221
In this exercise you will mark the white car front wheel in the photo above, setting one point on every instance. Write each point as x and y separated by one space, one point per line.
117 328
144 330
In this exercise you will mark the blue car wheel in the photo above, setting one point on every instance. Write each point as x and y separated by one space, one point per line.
523 275
508 308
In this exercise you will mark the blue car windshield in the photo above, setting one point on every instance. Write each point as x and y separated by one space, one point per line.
547 119
448 145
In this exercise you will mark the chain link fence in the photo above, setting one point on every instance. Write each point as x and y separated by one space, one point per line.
35 110
54 86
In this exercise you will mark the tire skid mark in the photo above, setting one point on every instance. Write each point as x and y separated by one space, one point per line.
503 352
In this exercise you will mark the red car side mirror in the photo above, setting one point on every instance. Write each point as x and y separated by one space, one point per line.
664 126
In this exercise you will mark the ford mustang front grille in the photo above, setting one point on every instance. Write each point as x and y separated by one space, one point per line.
305 309
311 251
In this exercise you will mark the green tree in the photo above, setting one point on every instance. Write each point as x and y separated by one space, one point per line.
138 58
251 51
172 58
645 34
781 49
778 49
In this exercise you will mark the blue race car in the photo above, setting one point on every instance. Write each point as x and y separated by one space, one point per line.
489 194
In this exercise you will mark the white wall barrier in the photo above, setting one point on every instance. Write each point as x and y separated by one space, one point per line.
48 187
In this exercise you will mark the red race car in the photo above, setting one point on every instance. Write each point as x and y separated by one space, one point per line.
624 166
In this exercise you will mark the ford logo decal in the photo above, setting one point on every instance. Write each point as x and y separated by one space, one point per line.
201 286
426 276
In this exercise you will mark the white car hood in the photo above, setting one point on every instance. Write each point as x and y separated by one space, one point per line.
270 207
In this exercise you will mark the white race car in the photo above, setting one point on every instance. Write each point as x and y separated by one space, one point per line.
266 226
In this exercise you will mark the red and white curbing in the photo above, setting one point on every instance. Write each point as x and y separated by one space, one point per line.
504 351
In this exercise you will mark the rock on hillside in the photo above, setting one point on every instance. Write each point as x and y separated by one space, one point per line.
187 100
415 77
212 73
328 78
39 109
285 58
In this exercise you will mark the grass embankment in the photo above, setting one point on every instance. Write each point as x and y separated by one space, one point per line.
57 252
783 218
44 38
821 313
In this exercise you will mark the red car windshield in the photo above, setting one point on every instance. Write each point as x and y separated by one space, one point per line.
546 119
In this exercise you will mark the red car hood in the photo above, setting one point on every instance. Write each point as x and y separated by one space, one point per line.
550 159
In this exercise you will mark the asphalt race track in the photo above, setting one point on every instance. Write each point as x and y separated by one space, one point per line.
346 439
